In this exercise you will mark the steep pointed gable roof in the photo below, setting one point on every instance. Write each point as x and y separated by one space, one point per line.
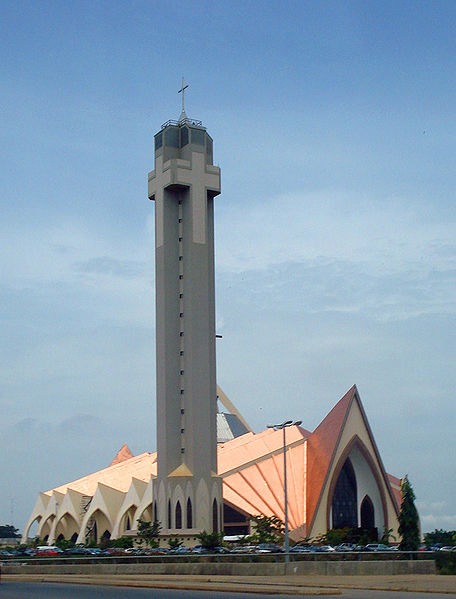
123 454
320 450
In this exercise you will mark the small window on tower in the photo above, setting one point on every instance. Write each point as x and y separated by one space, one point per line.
158 141
172 137
209 146
182 450
181 277
182 372
184 136
182 392
198 137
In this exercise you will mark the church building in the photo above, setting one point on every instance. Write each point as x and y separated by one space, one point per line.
211 471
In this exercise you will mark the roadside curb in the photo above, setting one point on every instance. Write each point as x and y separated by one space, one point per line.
233 587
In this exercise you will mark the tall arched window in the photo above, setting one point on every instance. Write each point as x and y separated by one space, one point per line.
215 516
155 512
169 513
178 515
367 513
189 513
344 503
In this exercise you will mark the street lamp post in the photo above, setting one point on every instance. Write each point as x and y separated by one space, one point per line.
278 427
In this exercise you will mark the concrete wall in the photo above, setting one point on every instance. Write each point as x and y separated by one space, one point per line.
327 568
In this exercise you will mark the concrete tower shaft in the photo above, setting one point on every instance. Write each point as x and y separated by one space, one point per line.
183 186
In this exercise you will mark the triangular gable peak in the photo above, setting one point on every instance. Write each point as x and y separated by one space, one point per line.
345 427
123 454
320 450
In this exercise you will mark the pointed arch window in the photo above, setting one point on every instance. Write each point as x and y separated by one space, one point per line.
344 503
367 513
155 512
169 513
215 516
189 513
178 515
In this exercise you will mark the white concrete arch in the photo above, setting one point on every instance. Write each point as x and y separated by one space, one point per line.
67 526
37 514
202 515
107 501
128 509
368 482
145 505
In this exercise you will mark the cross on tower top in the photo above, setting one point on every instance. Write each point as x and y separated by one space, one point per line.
182 90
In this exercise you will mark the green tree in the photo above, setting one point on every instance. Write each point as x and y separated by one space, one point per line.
8 531
268 529
408 518
440 537
64 544
210 540
387 535
122 542
149 531
175 542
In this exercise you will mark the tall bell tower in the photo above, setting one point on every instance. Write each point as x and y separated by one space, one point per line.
187 491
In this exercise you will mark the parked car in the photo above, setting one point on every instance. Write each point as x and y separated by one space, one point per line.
244 549
268 548
448 548
47 550
345 547
180 550
77 551
300 549
378 547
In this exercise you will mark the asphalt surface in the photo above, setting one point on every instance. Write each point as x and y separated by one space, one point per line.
27 590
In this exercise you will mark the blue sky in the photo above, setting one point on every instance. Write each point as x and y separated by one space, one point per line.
333 123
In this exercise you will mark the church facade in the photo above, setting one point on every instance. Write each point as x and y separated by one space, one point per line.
335 478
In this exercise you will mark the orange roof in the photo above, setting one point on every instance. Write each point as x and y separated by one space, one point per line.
117 476
253 474
396 489
321 445
252 468
123 454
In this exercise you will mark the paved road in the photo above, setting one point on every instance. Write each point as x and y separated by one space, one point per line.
29 590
